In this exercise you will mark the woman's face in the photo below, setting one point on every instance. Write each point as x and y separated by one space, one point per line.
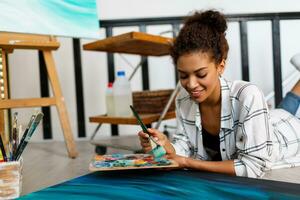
199 75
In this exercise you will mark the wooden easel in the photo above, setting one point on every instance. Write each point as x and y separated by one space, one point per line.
11 41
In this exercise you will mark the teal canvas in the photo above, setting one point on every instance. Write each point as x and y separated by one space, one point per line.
160 184
70 18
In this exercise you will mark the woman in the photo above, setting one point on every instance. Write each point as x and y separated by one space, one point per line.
224 126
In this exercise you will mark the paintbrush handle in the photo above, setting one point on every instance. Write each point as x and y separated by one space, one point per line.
141 123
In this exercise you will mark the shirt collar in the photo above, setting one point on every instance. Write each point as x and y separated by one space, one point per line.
226 107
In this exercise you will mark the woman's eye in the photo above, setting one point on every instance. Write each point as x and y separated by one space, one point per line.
183 76
201 75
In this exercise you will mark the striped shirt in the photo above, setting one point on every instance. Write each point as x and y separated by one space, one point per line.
256 139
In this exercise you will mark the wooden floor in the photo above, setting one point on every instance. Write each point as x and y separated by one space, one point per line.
47 164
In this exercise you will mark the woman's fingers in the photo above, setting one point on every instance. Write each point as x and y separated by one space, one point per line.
145 144
143 135
154 132
144 141
156 135
169 156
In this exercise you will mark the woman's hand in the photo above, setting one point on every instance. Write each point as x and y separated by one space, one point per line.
180 160
159 137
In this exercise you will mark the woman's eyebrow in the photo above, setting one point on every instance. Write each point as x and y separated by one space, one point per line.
197 70
200 69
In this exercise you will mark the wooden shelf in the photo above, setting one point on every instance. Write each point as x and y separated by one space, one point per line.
133 43
146 118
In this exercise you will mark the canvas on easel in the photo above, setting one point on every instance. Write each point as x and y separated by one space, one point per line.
8 43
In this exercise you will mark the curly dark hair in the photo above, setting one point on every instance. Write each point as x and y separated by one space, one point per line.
204 32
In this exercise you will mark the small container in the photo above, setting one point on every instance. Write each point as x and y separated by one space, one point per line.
109 100
122 95
11 179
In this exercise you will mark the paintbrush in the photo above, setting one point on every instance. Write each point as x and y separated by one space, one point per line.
157 151
13 137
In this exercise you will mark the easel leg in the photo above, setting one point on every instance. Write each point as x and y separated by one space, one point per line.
3 95
60 104
1 85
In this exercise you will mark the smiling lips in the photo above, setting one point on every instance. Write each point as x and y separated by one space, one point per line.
196 93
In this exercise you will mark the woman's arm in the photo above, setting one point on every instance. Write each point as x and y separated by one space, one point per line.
254 135
224 167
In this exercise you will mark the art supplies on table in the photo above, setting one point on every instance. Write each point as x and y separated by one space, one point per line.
11 168
157 150
129 162
16 148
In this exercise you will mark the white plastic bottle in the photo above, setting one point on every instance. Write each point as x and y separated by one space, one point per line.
122 95
109 100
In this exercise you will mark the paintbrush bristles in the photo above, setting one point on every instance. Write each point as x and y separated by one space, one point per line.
158 152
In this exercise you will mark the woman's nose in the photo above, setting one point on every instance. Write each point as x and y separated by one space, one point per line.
192 83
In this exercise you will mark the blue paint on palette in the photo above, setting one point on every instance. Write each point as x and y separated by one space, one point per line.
73 18
165 185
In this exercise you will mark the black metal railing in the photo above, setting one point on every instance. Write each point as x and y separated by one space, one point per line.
175 22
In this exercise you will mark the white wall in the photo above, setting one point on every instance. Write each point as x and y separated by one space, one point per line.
115 9
24 64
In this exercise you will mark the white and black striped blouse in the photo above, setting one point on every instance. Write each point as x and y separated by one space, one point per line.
256 139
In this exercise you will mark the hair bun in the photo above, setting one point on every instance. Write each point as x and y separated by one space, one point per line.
210 18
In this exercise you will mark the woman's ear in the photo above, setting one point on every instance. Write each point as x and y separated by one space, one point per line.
221 67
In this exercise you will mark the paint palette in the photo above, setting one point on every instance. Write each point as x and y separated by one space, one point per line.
129 161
